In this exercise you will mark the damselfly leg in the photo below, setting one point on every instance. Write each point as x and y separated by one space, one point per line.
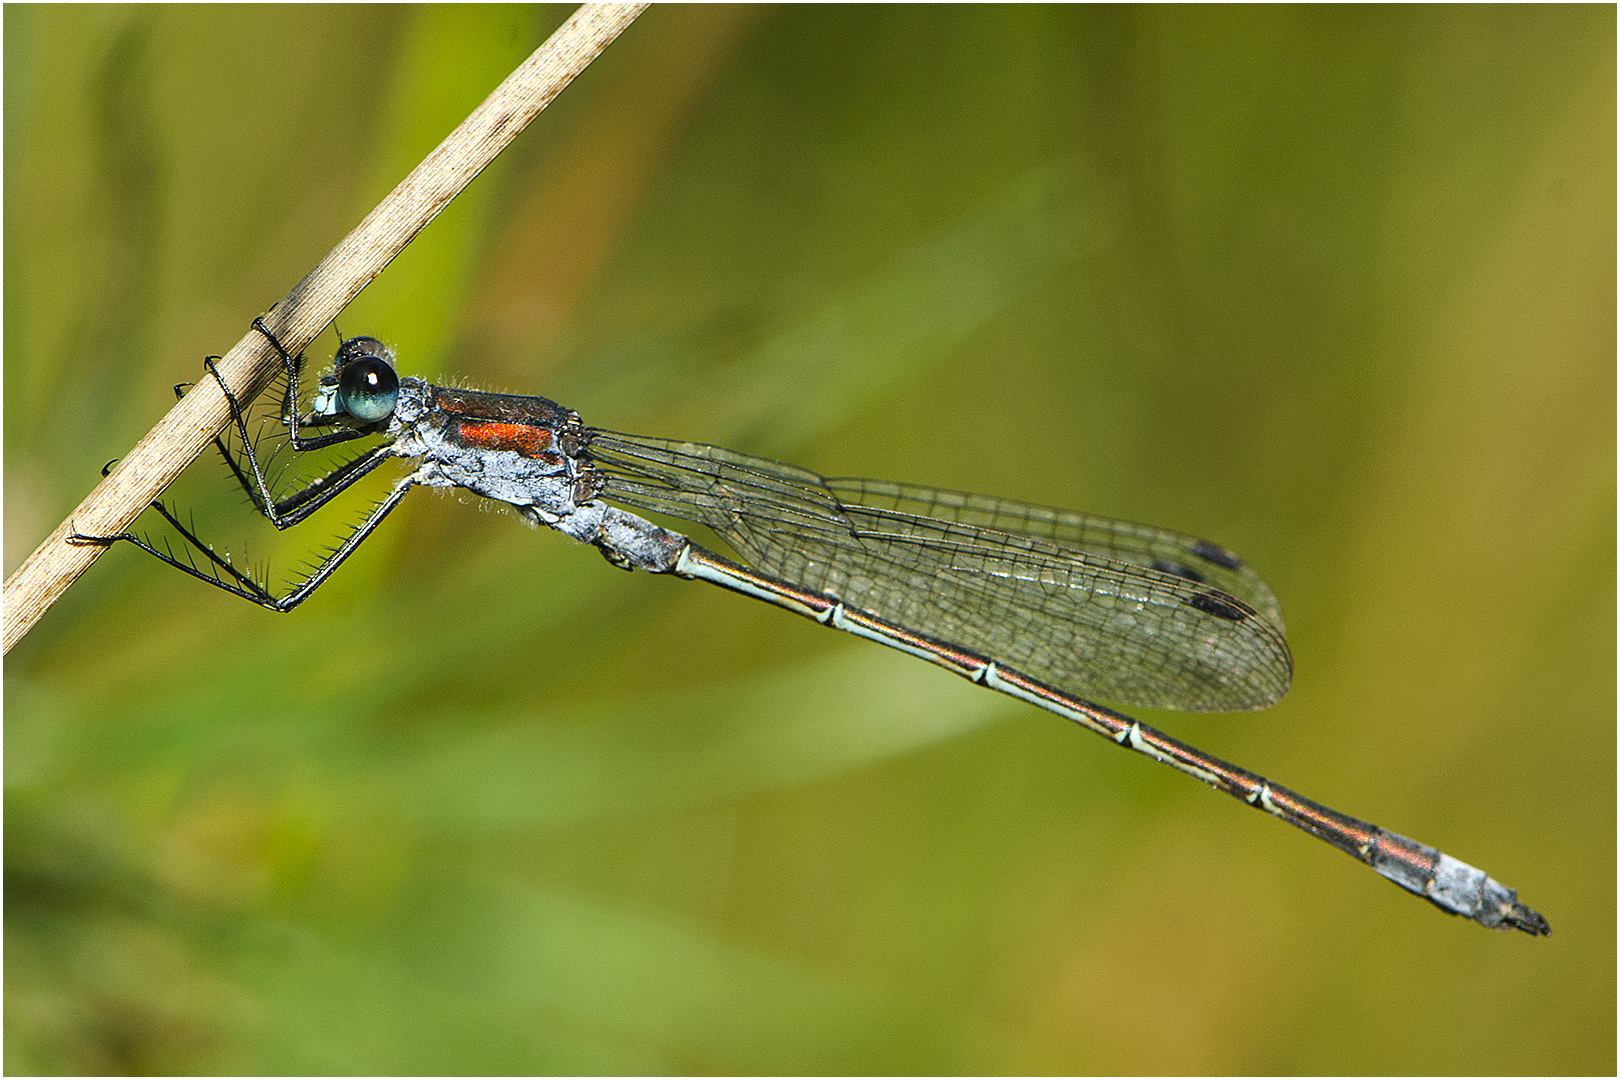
292 509
374 374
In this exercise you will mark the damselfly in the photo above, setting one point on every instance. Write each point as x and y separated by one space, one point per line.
1042 604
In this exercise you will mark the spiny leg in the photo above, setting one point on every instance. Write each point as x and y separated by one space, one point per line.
239 582
284 512
321 491
281 512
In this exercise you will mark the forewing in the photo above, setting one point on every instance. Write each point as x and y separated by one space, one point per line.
1067 598
1178 554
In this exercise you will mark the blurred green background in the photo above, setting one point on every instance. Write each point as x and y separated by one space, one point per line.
1334 287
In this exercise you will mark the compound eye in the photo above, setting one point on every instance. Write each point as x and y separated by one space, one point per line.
367 389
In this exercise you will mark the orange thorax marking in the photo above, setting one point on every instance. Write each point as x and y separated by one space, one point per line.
525 439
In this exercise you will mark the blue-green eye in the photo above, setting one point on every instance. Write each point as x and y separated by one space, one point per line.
367 389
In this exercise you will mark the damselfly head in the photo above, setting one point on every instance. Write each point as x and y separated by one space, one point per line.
362 385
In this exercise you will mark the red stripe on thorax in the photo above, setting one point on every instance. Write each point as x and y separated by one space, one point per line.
525 439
